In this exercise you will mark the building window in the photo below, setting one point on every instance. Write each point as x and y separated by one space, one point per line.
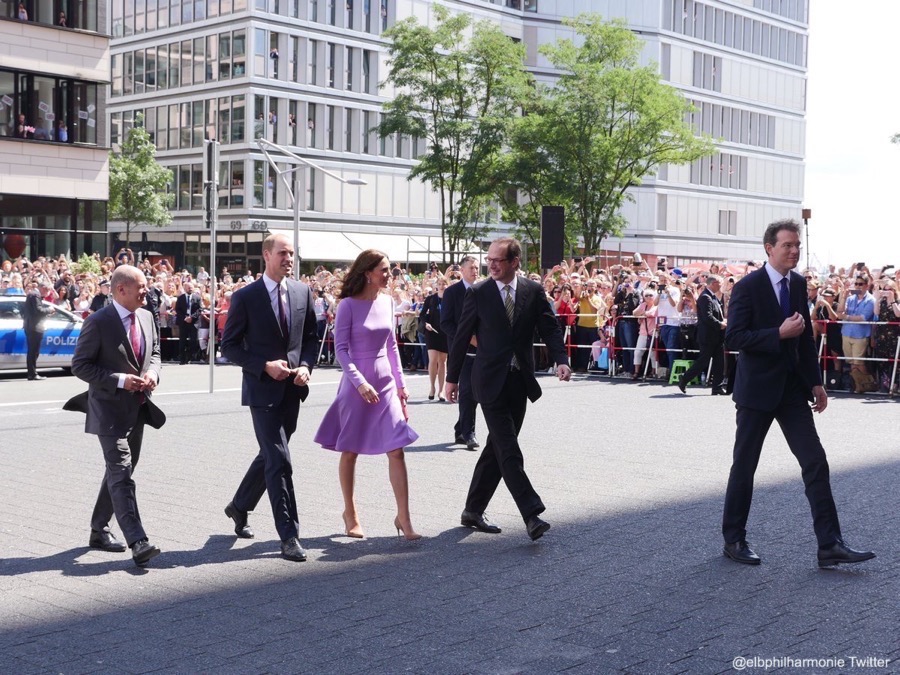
312 49
47 108
348 68
728 223
329 127
330 70
311 126
367 71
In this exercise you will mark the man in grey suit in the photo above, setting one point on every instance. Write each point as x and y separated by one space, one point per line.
271 335
117 354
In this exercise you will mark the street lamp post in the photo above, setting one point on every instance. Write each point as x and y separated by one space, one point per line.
806 214
297 190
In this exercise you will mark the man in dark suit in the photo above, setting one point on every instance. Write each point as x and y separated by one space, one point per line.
33 315
502 313
777 377
711 325
271 334
117 354
187 317
451 310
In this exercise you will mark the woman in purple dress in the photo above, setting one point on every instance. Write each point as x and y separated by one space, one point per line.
368 416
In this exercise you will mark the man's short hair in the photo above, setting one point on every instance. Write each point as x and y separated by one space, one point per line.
467 259
513 247
713 277
771 234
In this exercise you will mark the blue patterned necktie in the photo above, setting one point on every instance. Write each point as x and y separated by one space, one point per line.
784 298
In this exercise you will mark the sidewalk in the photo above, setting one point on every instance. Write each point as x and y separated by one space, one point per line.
629 579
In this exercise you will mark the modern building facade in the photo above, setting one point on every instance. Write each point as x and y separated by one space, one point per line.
306 74
54 154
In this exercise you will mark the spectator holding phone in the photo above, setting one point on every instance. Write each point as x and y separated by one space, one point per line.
859 309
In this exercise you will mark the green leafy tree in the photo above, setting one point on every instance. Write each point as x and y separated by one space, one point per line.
459 95
86 264
137 183
599 130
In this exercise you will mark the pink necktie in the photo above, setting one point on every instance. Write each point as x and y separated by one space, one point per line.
135 336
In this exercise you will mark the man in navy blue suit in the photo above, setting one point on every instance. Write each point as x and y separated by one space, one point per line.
271 334
451 311
503 313
777 378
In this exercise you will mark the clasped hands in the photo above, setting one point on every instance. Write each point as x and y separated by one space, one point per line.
279 370
139 384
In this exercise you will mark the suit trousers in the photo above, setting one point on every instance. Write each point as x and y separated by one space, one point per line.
795 418
465 424
709 351
33 340
187 342
271 470
501 456
117 491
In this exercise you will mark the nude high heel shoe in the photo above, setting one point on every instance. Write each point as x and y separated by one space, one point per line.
354 531
410 536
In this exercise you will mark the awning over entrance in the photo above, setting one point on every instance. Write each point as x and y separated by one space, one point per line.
345 246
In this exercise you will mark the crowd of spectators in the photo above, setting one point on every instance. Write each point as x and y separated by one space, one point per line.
626 320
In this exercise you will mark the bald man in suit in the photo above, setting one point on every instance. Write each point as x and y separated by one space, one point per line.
117 354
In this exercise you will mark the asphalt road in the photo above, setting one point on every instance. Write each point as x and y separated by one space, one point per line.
629 579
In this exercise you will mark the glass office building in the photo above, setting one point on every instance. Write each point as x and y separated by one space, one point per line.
54 165
306 74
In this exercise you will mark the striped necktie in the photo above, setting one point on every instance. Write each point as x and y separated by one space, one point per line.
510 313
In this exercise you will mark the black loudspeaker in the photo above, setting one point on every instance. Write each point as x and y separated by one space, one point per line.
553 221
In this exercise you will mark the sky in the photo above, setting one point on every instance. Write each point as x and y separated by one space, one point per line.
853 109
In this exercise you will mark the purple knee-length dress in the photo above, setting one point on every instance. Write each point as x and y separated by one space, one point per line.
365 346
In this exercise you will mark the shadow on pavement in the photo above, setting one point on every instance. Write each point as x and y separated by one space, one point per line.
640 591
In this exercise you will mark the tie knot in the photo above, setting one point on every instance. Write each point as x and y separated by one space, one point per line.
783 282
507 288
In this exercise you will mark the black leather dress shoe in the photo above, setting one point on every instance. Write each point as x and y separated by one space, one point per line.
106 541
142 551
719 391
240 521
682 385
479 522
839 553
472 443
292 550
740 552
536 527
459 441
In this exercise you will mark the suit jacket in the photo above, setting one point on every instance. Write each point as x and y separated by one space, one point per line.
181 309
252 337
484 315
765 361
709 318
103 350
451 311
34 312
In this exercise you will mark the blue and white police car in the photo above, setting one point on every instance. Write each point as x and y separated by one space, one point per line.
61 331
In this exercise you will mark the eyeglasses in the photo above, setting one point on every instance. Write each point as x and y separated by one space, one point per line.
860 283
491 261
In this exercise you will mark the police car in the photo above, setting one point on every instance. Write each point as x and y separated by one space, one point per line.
61 331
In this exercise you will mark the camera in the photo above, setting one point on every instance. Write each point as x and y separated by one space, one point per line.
859 266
